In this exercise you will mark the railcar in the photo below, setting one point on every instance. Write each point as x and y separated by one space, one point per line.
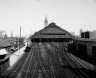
28 48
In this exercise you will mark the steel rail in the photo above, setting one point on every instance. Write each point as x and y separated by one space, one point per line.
74 64
43 66
18 68
79 70
35 64
59 66
68 69
55 60
17 65
60 58
46 67
26 64
67 60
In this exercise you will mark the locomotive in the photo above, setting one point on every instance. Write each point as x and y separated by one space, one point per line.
28 48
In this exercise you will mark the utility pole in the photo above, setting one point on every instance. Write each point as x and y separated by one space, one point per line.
19 41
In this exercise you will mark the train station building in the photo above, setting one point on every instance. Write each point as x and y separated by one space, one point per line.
50 33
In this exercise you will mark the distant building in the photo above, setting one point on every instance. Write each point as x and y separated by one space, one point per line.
15 42
93 34
88 34
3 43
12 40
73 33
2 33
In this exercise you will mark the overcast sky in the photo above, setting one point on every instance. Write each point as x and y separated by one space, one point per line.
71 15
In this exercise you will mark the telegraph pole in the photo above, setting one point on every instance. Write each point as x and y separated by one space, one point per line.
19 41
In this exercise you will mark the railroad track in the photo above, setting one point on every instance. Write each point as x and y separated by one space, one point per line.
34 65
13 71
28 66
65 72
77 69
70 61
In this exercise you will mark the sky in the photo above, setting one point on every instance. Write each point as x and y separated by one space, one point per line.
71 15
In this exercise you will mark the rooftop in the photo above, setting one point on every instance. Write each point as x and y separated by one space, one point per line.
52 31
3 43
86 40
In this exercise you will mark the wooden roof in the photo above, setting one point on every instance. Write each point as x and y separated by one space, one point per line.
52 31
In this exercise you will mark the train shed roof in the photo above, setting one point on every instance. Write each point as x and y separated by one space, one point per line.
52 31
